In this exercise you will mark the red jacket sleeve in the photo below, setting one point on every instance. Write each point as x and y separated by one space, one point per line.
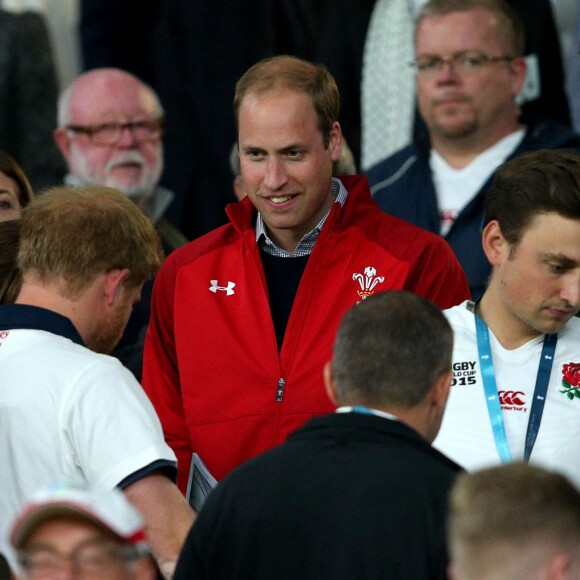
438 276
160 374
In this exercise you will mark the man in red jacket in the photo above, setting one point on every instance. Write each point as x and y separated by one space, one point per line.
243 318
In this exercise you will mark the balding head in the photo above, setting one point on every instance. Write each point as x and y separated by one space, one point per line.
105 85
96 150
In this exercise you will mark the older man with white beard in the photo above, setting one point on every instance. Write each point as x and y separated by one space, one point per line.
109 132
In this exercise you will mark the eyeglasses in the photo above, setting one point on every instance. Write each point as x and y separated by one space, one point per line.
91 560
110 133
462 62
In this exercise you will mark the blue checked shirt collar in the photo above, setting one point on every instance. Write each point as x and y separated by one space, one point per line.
306 244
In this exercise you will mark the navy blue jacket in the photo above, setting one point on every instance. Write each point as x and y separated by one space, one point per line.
348 496
402 185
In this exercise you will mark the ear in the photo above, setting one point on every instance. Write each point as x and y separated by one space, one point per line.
519 68
239 188
435 408
440 390
451 575
335 142
559 567
113 285
329 383
145 569
495 246
62 140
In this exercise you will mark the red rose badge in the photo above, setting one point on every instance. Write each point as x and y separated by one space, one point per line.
571 380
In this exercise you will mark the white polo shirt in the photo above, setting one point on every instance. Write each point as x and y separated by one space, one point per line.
67 411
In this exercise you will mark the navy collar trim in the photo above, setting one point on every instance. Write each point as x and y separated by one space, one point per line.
13 316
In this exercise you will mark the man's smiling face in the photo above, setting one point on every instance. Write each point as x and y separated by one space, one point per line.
286 168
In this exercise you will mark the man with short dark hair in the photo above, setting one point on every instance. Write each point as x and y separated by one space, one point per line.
359 493
84 255
515 393
514 522
469 68
243 318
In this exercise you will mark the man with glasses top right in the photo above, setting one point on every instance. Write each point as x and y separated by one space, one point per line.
469 70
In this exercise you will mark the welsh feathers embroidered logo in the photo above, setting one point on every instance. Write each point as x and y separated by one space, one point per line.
571 380
367 282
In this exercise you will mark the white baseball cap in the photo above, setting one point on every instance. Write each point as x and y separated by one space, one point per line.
107 508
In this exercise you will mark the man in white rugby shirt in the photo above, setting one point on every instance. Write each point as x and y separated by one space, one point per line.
66 410
515 391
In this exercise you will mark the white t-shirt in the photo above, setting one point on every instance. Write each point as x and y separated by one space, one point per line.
466 434
455 188
67 411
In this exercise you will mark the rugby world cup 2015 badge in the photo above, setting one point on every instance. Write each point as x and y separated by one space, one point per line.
367 282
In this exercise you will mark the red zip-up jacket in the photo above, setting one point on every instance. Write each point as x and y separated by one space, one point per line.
211 363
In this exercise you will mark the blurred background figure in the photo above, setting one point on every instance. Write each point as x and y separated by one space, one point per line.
69 530
514 522
28 94
15 189
15 194
62 19
10 277
573 70
370 66
109 132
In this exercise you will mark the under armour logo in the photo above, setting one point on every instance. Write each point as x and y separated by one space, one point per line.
229 289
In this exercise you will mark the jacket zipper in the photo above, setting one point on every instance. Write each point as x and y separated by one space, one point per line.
280 390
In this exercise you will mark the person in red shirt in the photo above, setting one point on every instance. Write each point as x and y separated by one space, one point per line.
243 318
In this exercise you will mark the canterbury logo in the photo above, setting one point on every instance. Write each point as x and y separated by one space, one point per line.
511 398
229 289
